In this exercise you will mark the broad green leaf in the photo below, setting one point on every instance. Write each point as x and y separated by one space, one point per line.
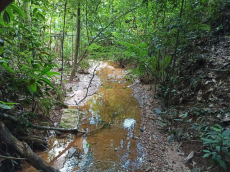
40 15
218 148
47 81
17 10
205 27
35 10
45 70
4 64
9 11
226 133
8 103
1 49
217 127
6 17
5 106
87 145
206 155
222 164
207 151
33 85
2 23
52 73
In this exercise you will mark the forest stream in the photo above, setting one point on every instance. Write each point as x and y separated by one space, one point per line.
111 118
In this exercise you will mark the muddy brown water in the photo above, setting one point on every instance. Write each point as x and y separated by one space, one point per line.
113 122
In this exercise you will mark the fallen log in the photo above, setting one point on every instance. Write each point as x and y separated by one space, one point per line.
71 130
4 4
24 150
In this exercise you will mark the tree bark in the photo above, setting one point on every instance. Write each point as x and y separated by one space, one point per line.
77 43
4 4
62 43
24 150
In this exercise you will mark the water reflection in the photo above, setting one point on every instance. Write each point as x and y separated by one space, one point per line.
114 147
115 116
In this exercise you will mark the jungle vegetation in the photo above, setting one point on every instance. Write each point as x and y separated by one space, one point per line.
42 40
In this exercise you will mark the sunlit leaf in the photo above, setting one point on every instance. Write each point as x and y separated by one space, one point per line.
17 10
33 85
6 17
52 73
9 11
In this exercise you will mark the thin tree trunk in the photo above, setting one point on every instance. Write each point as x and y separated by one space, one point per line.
62 44
26 11
86 20
174 58
77 42
24 150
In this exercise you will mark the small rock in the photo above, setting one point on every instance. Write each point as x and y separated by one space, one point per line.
157 111
142 129
170 138
71 152
115 149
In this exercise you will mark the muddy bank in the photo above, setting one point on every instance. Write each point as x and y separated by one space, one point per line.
160 156
157 153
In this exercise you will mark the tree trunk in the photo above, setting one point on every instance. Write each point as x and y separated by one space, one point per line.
77 42
24 150
27 19
62 44
4 4
173 60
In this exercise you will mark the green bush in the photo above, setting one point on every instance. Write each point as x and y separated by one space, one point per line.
217 143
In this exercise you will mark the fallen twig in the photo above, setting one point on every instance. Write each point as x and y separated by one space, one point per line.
71 130
86 94
219 70
156 119
7 157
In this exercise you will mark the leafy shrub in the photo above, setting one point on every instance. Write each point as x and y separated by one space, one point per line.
217 143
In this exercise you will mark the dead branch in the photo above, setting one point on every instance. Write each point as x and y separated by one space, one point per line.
156 119
219 70
33 139
12 118
10 157
24 150
86 94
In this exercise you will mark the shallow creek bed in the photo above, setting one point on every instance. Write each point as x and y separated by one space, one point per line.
116 116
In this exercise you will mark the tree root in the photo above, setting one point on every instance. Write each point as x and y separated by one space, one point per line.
24 150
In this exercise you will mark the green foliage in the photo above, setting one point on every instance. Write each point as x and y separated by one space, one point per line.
217 143
84 64
9 105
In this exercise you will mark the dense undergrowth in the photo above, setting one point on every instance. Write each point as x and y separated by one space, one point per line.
200 106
